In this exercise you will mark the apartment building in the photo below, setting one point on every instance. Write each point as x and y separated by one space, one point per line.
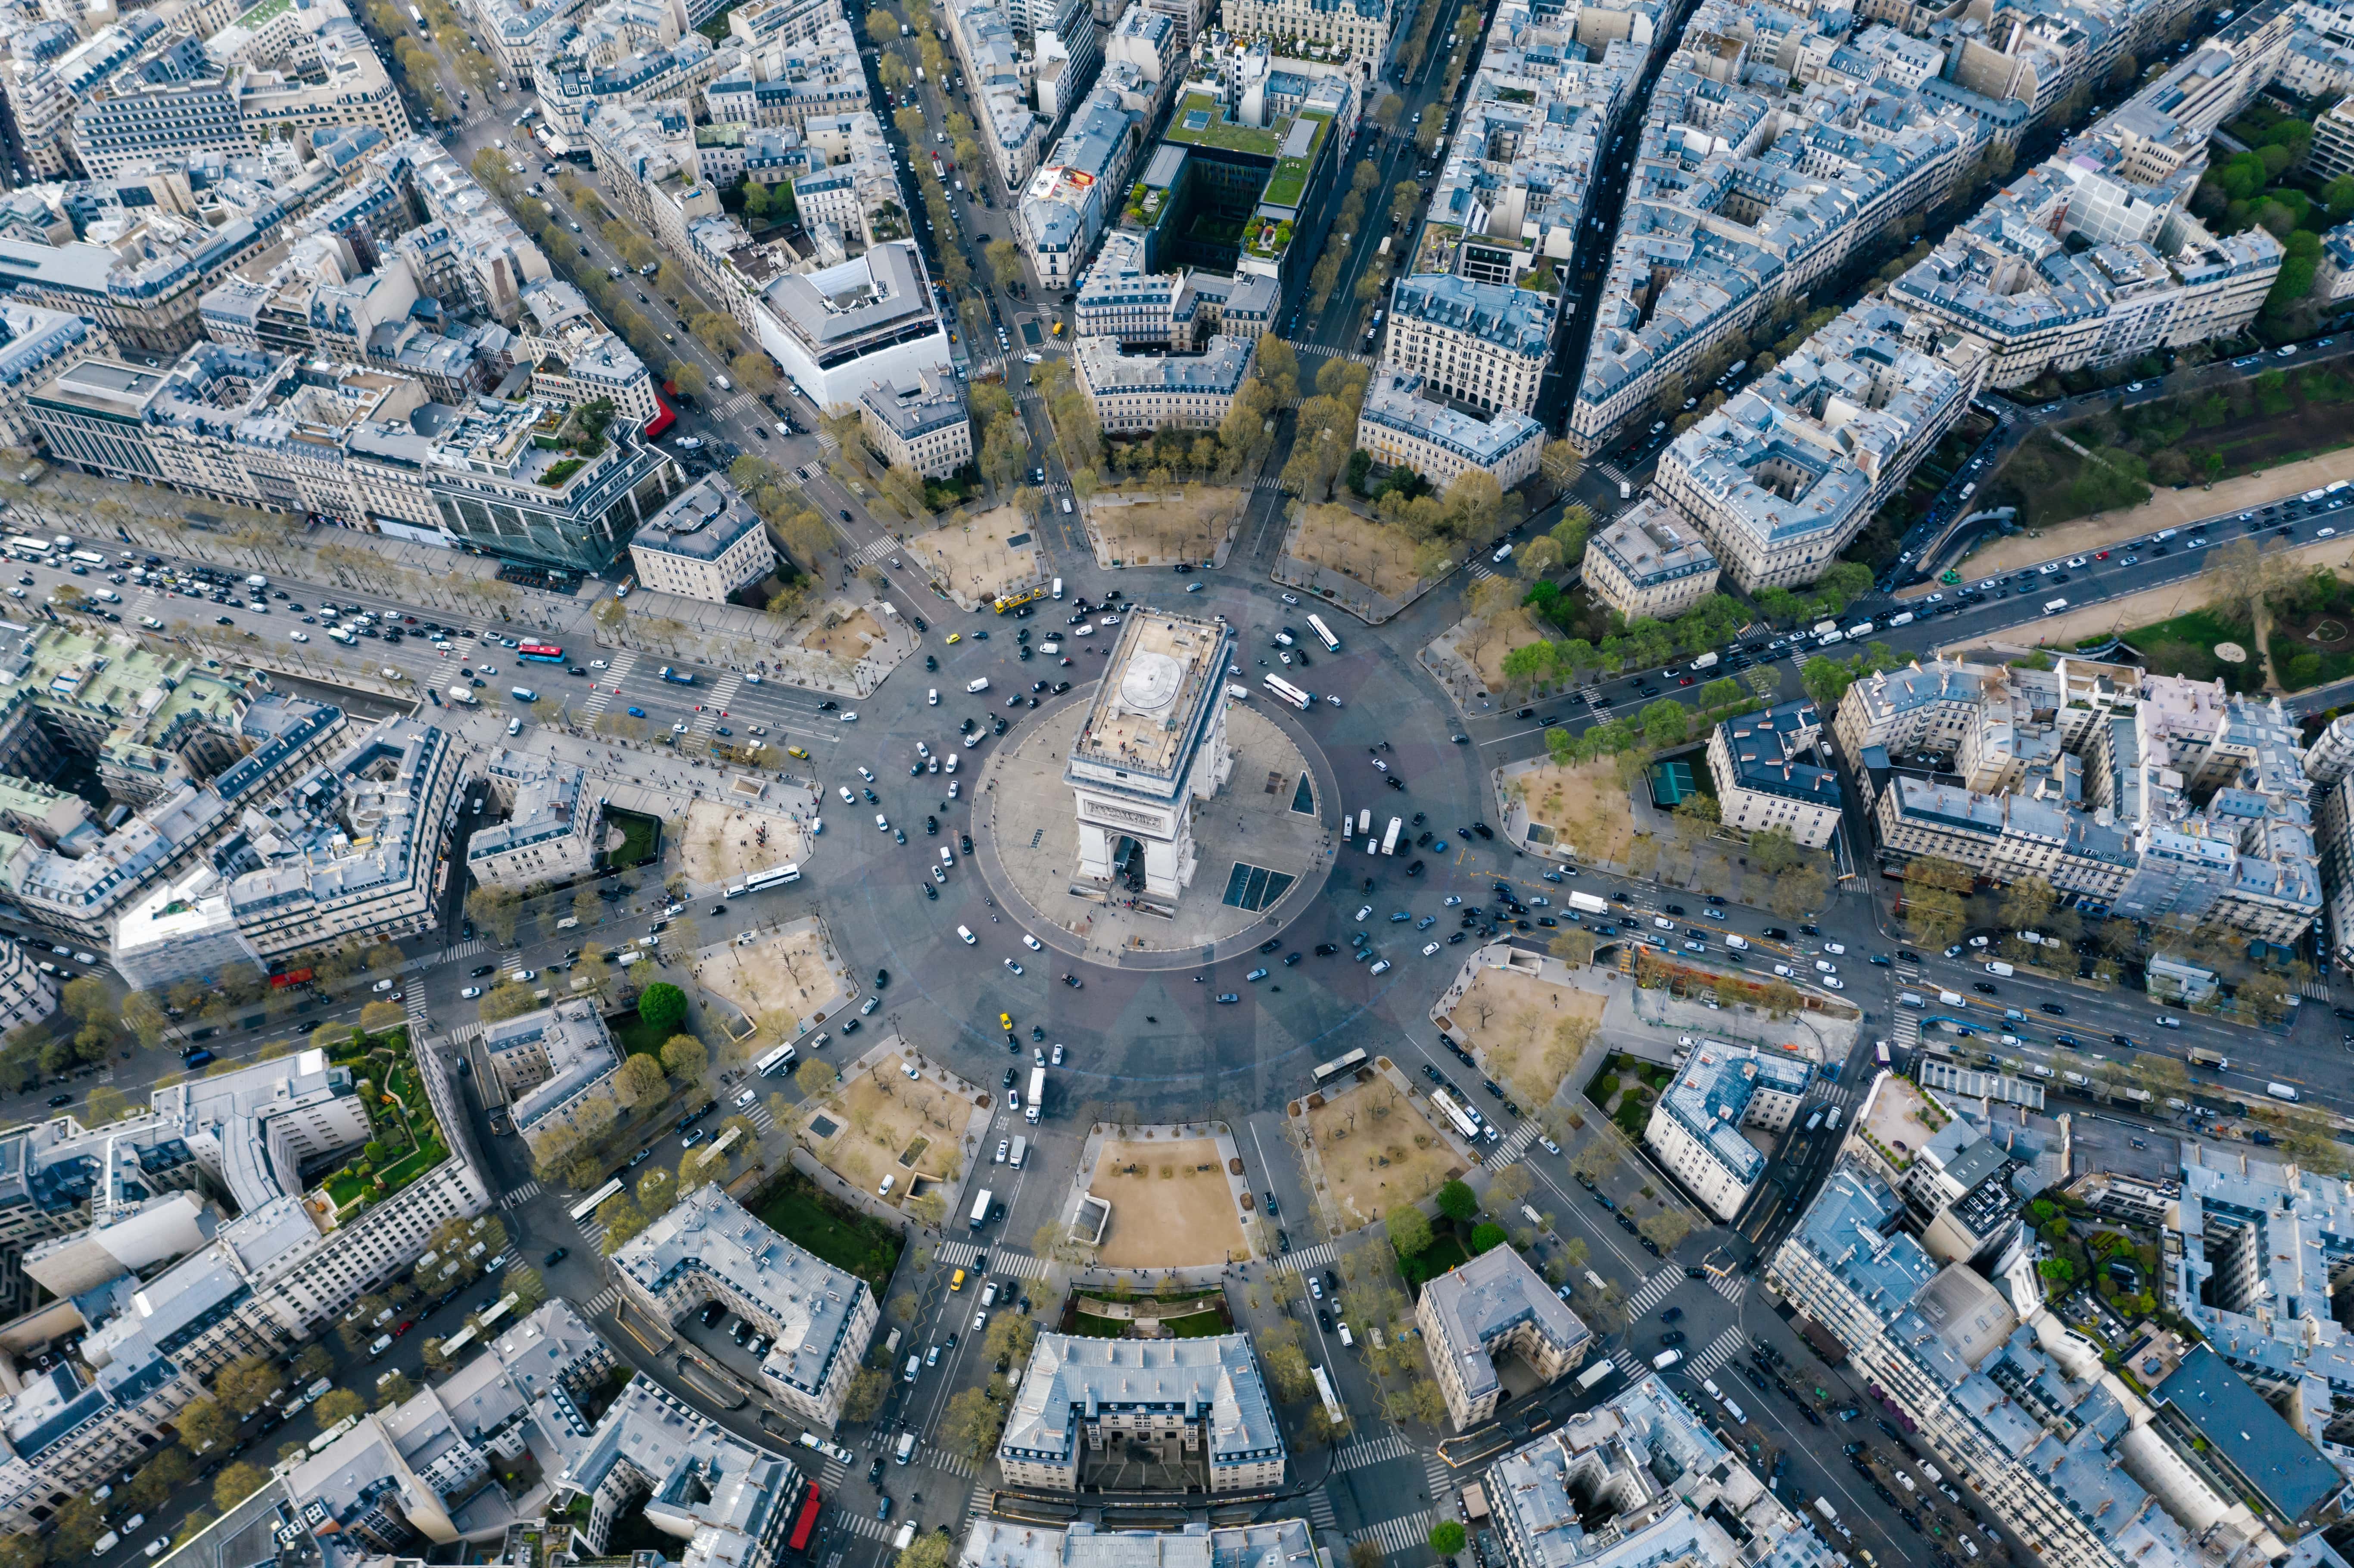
1696 1127
706 543
2009 1401
1200 1404
841 329
554 828
816 1318
1477 1313
1403 429
1139 393
1066 203
141 287
575 358
655 1455
1792 468
558 1066
988 52
922 425
2331 152
1642 1478
1181 309
1000 1544
1483 345
26 995
1648 563
1762 782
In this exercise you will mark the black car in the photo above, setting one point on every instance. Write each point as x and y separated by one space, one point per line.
964 843
1673 908
1433 1074
1982 988
1483 829
882 979
558 1255
2053 1008
480 970
1271 1210
1270 944
1672 1337
1291 958
1326 950
931 827
1808 931
60 1099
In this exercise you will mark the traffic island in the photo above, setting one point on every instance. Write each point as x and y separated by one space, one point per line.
983 558
722 844
1261 846
1524 1018
1156 1199
1157 529
891 1118
1369 1146
778 980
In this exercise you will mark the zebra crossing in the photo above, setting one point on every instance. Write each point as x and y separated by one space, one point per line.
1515 1145
1321 351
874 553
465 949
1403 1534
735 406
1905 1032
1323 1255
1732 1287
1320 1510
1631 1367
609 684
1267 482
868 1526
763 1121
592 1230
2315 991
722 691
1004 1260
412 1000
1437 1480
603 1301
1612 474
1595 703
1359 1451
942 1460
521 1195
1655 1290
1721 1350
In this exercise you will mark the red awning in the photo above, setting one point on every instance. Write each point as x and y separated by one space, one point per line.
662 422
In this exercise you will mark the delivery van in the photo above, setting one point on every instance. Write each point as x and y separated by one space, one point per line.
977 683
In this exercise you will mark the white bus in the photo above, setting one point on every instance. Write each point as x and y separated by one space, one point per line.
1289 693
1602 1368
1324 634
775 877
589 1205
775 1062
1334 1411
1456 1115
1389 838
25 547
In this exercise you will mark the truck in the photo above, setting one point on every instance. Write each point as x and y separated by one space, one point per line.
1706 662
1020 1148
464 696
1390 837
677 677
980 1210
1626 490
907 1448
1602 1368
1589 902
1037 1093
2215 1061
1823 1507
1997 967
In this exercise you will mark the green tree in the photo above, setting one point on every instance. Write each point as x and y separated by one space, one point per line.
685 1058
662 1007
1447 1537
1487 1236
1458 1201
640 1079
970 1422
202 1423
1409 1229
336 1405
236 1483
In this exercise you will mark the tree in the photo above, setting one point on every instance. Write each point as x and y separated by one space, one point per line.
622 1220
315 1362
1667 1229
930 1549
1447 1537
640 1080
203 1423
815 1080
145 1017
1934 916
382 1017
685 1058
2027 901
1458 1201
496 910
394 1390
863 1400
246 1385
236 1483
927 1209
337 1406
1487 1236
1509 1186
662 1007
970 1423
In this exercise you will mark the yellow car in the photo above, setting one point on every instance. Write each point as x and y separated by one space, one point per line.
796 751
955 637
1005 1021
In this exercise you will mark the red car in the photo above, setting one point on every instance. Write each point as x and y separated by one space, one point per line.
1683 680
2101 555
404 1327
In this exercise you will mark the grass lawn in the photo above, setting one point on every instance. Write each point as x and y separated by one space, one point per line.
1196 1325
796 1210
1443 1252
641 840
1093 1328
638 1037
2186 646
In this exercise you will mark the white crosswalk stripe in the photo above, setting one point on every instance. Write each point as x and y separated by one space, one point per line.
1320 1510
1655 1290
1320 1256
592 1230
760 1119
1437 1480
882 549
1373 1449
609 682
412 999
1631 1366
1515 1145
602 1301
1402 1534
1732 1287
464 949
1611 472
831 1473
520 1196
1002 1260
735 405
871 1528
942 1460
465 1033
722 691
1721 1350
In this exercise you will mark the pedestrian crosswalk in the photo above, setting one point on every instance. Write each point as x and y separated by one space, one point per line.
1320 1510
1905 1030
464 949
1267 482
868 555
1371 1449
1437 1480
942 1460
722 691
763 1120
1612 474
1321 1255
1631 1366
1732 1287
521 1195
609 684
1721 1350
592 1230
869 1527
1321 351
412 999
735 405
1655 1290
1402 1534
605 1300
1002 1260
1516 1143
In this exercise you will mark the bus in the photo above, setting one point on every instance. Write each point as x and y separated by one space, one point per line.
496 1311
417 16
541 653
589 1205
775 877
457 1341
1340 1065
25 547
724 1142
1602 1368
775 1062
804 1522
1389 838
1333 1410
1883 1053
1289 693
1015 602
1324 634
1460 1118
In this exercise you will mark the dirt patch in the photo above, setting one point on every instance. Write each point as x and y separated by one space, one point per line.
1487 643
725 843
1585 806
775 981
1378 554
2165 509
1513 1022
973 558
851 638
1170 1205
1156 528
879 1115
1377 1150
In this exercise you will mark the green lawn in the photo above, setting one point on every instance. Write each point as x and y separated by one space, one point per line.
2186 646
1444 1253
797 1211
641 842
1219 131
1089 1327
638 1038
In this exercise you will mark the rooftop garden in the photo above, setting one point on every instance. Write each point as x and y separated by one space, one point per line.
1268 237
1541 278
407 1141
1145 204
1201 122
581 431
559 471
1289 183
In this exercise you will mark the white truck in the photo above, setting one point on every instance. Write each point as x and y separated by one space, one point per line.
1037 1093
980 1210
1589 902
1706 662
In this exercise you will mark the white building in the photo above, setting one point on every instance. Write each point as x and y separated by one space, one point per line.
553 828
1762 785
708 544
1200 1403
1477 1313
1154 742
921 425
1649 562
1695 1128
1135 394
842 328
1483 345
1405 429
556 1066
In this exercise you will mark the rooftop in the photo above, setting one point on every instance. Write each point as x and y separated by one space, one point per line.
1148 714
1214 1382
1476 1303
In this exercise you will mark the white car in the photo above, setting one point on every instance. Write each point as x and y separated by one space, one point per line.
1835 983
847 798
1031 942
1835 947
2075 563
300 636
850 718
1429 949
471 992
954 784
1003 1145
862 773
1291 599
596 663
1379 967
1014 966
1363 910
881 823
151 623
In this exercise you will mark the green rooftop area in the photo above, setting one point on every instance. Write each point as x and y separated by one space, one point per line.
268 11
1289 183
1201 122
407 1141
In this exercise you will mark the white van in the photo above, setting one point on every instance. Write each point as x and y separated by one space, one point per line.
1066 500
2280 1091
2054 607
1665 1359
1058 587
1901 618
1740 1417
969 939
932 697
1345 1341
977 683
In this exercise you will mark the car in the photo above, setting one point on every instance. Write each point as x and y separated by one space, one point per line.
1982 988
553 1258
1228 997
471 992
